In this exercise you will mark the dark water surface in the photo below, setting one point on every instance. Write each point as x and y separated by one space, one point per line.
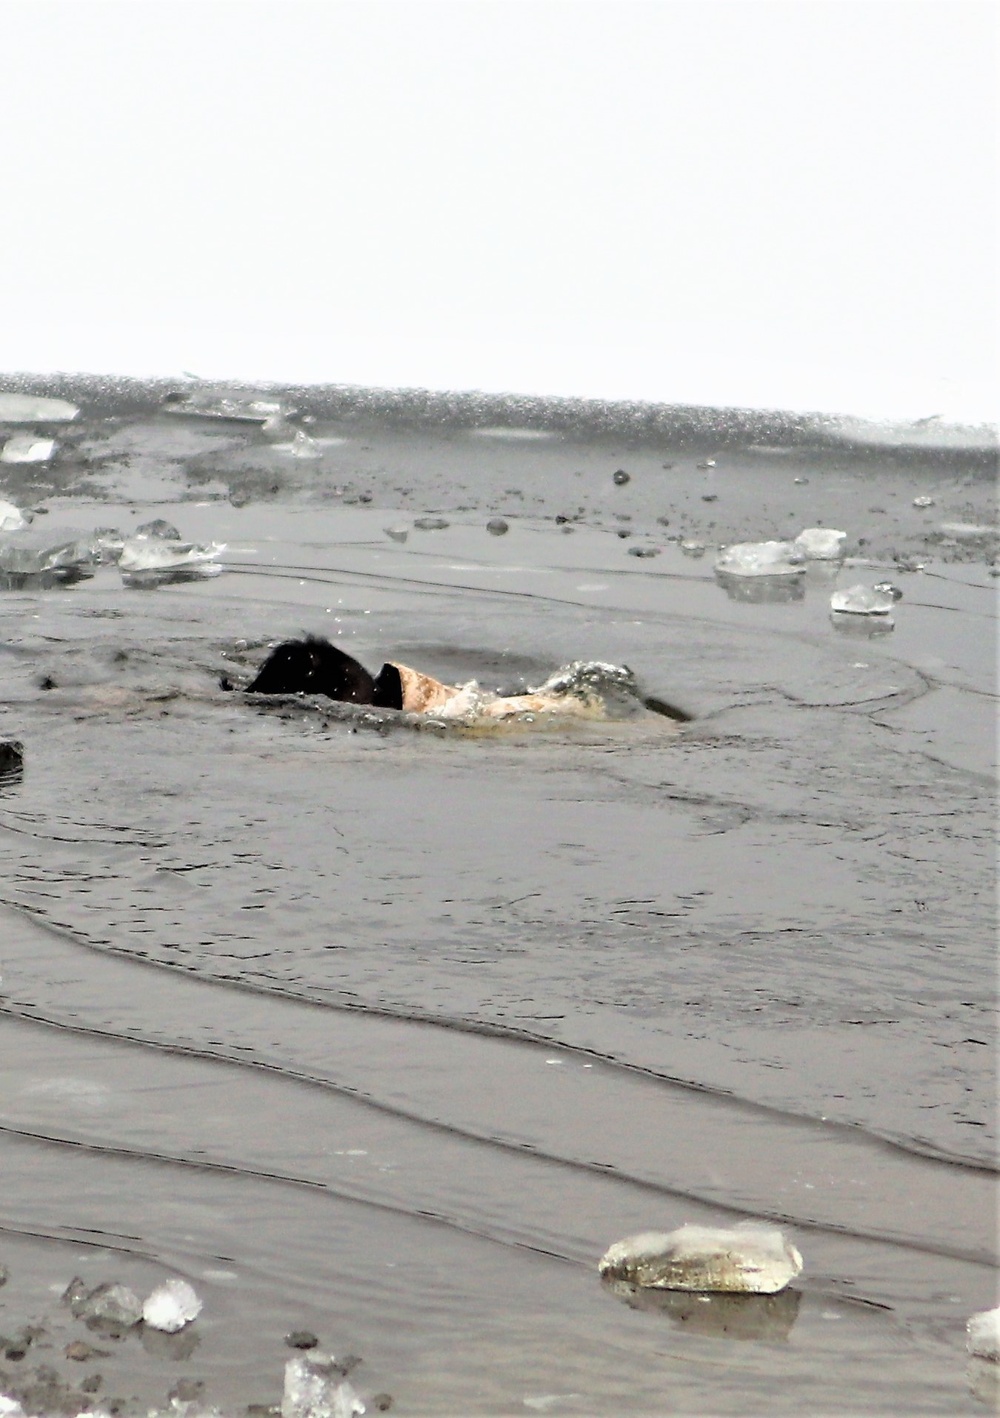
388 1034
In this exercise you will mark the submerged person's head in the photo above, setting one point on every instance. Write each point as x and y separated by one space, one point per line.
314 666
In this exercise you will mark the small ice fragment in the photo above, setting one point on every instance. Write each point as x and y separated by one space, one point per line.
305 447
923 502
159 528
24 448
171 1306
862 600
10 1408
12 519
315 1387
301 446
761 559
430 524
821 543
111 1303
496 527
276 425
886 588
750 1258
33 408
984 1334
644 551
708 463
690 547
620 478
301 1339
397 534
75 1291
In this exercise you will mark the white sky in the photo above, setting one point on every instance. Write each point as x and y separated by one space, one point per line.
765 203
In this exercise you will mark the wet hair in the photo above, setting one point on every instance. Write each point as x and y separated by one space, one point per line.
314 666
388 688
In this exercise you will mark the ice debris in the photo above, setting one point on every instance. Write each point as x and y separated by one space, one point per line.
206 404
430 524
34 408
886 588
923 502
12 519
25 448
30 550
750 1258
397 534
969 531
150 561
761 559
302 446
171 1306
984 1334
863 600
111 1304
497 526
821 543
315 1387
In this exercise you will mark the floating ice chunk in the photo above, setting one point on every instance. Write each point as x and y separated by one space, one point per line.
233 408
159 528
862 600
750 1258
24 448
151 561
171 1306
315 1387
821 543
430 524
12 519
761 559
397 534
106 545
923 502
10 1408
34 408
984 1334
970 531
30 550
111 1304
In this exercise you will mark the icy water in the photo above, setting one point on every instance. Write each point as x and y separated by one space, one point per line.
388 1033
